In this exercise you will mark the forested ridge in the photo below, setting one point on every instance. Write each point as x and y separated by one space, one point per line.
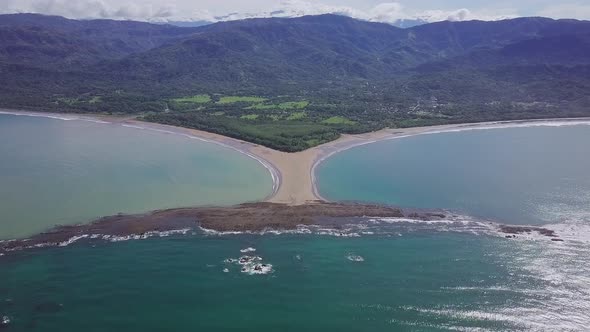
294 83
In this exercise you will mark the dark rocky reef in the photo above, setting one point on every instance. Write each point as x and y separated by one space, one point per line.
245 217
513 231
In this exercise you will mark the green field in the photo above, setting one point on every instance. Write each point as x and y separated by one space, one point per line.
339 120
240 99
198 99
250 117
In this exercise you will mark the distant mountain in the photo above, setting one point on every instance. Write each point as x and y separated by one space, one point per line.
400 23
281 52
277 52
409 22
51 41
188 24
374 73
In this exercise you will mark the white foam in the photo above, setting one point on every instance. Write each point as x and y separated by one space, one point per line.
249 249
5 320
110 238
301 229
252 269
374 226
483 289
72 240
41 115
250 265
63 117
355 258
147 235
244 260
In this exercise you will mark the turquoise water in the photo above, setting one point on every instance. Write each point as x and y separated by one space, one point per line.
62 172
425 282
372 275
534 175
420 281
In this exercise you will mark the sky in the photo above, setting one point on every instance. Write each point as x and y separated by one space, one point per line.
371 10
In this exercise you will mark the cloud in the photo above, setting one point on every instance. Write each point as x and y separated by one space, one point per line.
577 11
84 9
462 14
387 12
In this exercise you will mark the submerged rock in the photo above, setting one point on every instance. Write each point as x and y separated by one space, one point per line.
257 268
244 260
514 230
4 322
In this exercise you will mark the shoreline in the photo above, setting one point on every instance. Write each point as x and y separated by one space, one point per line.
294 174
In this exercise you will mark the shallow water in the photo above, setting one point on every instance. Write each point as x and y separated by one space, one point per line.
61 172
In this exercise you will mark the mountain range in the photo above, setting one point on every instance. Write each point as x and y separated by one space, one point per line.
373 74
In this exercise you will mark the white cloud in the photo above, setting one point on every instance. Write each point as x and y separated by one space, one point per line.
462 14
89 9
578 11
388 12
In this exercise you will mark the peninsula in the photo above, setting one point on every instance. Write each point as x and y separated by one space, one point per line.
293 174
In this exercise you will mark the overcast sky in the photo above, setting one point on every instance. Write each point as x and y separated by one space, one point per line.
374 10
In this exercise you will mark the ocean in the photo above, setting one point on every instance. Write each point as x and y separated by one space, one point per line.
374 274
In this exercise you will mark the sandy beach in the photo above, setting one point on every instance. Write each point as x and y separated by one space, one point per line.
293 174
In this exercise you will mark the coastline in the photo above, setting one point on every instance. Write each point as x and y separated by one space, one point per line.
294 174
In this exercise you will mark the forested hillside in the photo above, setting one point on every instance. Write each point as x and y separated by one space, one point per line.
294 83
